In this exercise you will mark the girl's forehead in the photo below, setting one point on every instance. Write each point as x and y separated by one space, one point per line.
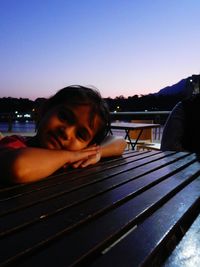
77 107
83 112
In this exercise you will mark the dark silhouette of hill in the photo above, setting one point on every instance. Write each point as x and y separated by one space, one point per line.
184 88
165 99
178 88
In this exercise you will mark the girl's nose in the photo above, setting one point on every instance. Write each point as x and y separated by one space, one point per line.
67 132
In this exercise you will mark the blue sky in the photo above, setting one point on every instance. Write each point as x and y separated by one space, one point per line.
122 47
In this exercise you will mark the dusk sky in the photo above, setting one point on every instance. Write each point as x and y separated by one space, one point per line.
121 47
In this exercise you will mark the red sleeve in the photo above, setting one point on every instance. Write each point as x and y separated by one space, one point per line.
13 142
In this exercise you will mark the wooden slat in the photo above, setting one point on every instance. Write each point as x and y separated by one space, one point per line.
144 247
112 182
59 178
24 217
78 224
187 253
9 204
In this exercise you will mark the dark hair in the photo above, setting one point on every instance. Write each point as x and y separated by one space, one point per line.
79 95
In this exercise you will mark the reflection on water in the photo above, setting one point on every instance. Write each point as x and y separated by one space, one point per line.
28 126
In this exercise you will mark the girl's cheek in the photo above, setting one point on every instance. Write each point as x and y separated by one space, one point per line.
77 145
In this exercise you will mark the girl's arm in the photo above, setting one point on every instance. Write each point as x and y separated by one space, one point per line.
111 146
31 164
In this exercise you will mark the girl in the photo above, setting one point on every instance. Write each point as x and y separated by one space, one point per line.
71 126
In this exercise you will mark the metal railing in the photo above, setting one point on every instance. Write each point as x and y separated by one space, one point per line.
156 116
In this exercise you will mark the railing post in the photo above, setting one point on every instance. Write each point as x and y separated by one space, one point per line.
10 123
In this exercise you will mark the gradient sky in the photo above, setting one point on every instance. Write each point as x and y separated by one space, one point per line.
122 47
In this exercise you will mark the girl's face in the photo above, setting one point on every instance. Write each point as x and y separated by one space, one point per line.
65 127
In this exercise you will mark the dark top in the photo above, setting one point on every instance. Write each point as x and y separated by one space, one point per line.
181 131
191 108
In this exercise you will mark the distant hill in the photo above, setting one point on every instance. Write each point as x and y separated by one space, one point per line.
184 88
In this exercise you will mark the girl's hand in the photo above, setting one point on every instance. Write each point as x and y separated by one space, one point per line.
83 154
93 159
90 161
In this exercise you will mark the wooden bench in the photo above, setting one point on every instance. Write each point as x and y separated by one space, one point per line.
187 252
137 128
146 138
125 211
148 146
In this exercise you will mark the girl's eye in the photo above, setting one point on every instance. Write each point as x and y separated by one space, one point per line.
80 135
83 135
66 116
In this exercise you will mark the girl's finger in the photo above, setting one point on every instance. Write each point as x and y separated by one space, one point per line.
77 164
